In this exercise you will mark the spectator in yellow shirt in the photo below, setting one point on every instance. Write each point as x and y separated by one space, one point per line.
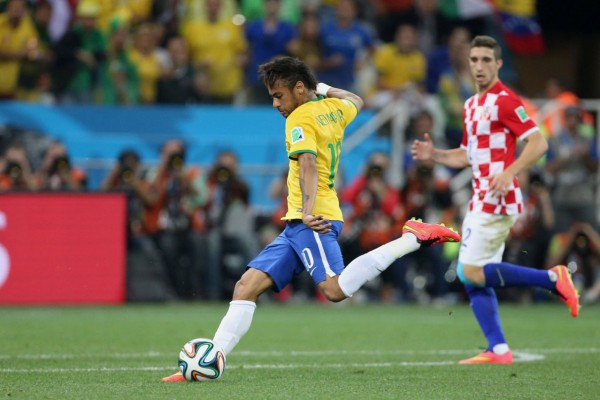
196 10
18 42
219 47
399 65
132 11
145 57
34 77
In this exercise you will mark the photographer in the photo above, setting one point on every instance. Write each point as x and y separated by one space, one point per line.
530 235
57 174
146 280
579 247
572 160
176 222
231 220
374 179
529 238
16 175
126 177
426 195
374 217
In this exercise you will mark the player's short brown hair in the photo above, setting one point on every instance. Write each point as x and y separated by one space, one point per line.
489 42
288 70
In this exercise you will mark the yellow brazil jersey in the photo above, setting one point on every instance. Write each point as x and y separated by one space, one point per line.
317 127
219 45
149 70
397 69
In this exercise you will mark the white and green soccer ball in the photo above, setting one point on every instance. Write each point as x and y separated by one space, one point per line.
201 360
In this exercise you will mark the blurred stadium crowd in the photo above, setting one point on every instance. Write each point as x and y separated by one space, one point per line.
191 230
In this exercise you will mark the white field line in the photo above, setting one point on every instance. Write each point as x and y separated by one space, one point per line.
289 353
526 355
519 357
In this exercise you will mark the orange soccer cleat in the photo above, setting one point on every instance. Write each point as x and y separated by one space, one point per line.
565 289
430 234
176 377
488 357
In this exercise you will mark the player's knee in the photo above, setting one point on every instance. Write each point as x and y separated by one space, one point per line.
248 288
334 295
471 275
242 291
332 291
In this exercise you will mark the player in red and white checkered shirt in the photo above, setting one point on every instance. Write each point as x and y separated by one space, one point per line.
494 119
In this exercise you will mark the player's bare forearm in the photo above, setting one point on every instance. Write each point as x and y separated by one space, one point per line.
453 158
309 178
535 147
423 150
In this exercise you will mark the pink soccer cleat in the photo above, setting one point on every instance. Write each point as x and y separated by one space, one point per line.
176 377
565 289
488 357
430 234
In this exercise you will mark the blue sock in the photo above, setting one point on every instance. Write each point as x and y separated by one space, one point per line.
485 307
505 274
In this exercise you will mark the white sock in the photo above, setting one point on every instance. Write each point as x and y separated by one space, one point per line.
373 263
234 324
500 349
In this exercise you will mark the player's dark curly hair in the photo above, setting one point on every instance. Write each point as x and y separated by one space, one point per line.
288 70
489 42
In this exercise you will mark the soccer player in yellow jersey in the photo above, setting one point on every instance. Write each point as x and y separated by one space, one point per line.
316 116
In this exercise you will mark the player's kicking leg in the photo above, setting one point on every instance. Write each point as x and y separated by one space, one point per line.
430 234
415 234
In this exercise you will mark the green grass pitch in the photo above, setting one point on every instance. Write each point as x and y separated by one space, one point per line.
298 352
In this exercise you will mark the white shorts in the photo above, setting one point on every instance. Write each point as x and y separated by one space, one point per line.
483 237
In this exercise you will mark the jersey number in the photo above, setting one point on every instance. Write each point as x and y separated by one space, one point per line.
309 261
335 159
463 240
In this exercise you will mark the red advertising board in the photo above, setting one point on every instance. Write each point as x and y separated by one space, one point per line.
62 248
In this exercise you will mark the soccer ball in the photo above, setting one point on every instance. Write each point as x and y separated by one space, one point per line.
201 360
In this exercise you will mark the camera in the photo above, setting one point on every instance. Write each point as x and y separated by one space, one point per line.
126 173
537 180
59 165
223 174
374 171
13 170
175 161
128 161
424 172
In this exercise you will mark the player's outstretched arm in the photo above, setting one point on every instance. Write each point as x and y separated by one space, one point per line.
423 150
324 89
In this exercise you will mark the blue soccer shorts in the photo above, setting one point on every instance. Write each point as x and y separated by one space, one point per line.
299 248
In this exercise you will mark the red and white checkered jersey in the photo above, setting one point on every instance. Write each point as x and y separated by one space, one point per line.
493 122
